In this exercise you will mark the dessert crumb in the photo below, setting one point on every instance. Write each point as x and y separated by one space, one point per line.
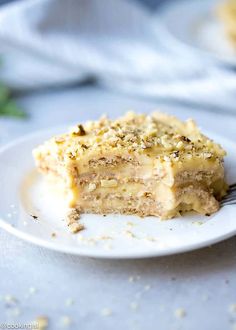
108 246
234 326
69 302
76 227
129 234
15 311
66 321
232 308
151 239
138 295
73 216
162 308
197 223
131 279
32 290
134 305
130 224
9 299
205 297
35 217
134 278
72 221
180 313
147 287
41 322
106 312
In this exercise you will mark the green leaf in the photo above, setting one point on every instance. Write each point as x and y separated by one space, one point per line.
11 109
7 105
4 93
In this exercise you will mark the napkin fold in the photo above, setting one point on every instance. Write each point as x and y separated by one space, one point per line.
118 42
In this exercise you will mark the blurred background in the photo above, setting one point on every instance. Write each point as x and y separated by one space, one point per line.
168 52
67 61
149 3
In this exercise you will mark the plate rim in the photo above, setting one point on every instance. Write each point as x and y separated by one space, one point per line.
4 224
105 254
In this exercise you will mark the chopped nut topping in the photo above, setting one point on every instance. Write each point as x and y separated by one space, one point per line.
157 133
166 158
180 145
207 155
84 146
79 130
185 139
59 139
92 187
175 154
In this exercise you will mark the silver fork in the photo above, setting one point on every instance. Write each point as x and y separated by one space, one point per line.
230 198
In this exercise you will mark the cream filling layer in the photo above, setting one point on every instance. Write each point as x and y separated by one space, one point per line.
150 197
158 184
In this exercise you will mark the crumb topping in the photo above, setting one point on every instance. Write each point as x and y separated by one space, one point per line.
158 135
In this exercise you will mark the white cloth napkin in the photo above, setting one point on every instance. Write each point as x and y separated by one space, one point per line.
54 42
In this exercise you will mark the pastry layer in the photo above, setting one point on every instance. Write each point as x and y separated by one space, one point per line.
137 164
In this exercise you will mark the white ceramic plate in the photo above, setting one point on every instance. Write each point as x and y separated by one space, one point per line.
24 193
194 24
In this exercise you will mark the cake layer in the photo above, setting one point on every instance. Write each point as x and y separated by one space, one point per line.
145 198
138 164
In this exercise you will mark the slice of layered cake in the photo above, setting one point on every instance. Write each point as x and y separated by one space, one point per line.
227 12
137 164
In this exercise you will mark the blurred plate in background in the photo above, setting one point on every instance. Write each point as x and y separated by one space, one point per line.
194 25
